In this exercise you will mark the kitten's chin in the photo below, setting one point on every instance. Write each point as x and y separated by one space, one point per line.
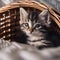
34 38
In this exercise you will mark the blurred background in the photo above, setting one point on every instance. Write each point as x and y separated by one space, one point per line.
53 3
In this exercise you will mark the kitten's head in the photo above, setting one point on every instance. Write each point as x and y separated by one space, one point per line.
34 27
29 23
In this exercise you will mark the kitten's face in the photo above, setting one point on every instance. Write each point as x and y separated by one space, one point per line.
34 29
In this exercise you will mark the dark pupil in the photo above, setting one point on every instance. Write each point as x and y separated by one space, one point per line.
26 24
38 25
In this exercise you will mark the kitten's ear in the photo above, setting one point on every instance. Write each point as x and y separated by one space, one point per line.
23 15
44 18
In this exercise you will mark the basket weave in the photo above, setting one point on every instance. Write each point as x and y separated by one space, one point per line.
10 16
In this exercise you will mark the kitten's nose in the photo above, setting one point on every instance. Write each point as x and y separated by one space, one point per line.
31 30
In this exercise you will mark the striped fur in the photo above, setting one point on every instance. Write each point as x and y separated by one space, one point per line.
35 25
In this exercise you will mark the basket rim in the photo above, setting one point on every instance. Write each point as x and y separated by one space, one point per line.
34 4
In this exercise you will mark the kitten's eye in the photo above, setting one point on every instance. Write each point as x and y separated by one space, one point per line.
38 26
26 25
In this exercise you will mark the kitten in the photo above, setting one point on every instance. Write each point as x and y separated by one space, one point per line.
35 25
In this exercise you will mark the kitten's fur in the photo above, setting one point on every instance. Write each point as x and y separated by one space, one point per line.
35 25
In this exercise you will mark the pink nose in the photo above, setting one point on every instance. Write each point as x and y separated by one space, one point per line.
30 29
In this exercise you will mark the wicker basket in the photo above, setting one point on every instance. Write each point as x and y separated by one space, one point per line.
10 16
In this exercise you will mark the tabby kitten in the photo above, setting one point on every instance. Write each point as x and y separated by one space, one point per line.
35 25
